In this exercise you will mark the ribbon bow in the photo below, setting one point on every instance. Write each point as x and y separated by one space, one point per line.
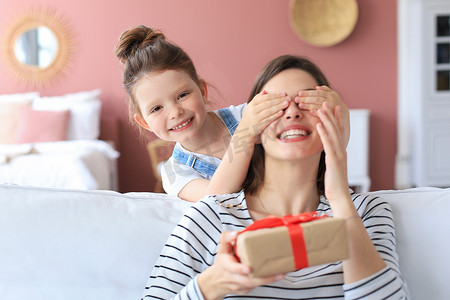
292 222
289 220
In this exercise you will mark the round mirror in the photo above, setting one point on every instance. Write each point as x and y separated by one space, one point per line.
38 47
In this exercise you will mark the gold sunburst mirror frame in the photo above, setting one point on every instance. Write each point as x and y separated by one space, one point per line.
52 23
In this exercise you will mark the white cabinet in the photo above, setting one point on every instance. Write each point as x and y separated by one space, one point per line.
424 91
358 151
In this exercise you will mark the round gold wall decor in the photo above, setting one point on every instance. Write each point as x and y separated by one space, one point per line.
323 23
44 21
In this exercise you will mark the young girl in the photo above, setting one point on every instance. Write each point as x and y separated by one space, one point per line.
168 98
287 175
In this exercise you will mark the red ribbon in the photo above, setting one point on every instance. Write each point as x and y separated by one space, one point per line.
295 232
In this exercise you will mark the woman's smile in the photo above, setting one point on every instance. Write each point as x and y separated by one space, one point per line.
294 133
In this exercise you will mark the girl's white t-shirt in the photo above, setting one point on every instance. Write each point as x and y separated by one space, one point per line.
176 175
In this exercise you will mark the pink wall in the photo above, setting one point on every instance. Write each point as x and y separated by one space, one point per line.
229 42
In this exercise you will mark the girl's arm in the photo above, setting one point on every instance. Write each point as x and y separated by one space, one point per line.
230 174
194 190
258 114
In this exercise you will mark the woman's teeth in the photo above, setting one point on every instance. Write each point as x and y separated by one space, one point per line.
293 133
182 125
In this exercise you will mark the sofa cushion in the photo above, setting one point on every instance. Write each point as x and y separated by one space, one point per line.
421 218
70 244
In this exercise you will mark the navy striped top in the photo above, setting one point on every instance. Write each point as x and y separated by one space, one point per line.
192 247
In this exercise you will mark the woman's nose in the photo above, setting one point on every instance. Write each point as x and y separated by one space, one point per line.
293 112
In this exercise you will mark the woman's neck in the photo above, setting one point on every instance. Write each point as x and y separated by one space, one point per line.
212 139
291 188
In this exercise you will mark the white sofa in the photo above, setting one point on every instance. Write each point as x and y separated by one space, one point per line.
95 245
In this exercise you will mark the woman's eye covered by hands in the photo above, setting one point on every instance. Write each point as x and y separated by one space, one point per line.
312 99
263 110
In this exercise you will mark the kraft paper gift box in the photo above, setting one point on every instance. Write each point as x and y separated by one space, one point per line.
280 245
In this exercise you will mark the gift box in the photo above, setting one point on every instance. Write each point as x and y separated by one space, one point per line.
280 245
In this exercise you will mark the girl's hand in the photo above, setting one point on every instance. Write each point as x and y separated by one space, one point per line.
227 275
261 111
312 100
258 114
330 130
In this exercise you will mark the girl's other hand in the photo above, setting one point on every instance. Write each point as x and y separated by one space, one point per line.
227 275
312 100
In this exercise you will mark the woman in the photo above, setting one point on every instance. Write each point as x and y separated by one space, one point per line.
287 176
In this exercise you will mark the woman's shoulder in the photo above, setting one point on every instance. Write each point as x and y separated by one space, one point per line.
227 211
370 205
227 201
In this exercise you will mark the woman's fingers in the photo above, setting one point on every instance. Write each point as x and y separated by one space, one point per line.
331 127
230 276
226 240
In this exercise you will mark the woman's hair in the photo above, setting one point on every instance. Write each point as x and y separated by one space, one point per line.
143 50
255 174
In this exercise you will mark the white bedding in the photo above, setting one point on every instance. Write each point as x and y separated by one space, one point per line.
76 164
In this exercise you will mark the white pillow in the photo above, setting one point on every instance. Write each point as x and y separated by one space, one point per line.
85 108
19 97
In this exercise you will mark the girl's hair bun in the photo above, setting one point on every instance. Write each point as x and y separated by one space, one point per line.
140 37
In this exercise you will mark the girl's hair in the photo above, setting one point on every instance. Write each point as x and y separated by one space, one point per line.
144 50
255 174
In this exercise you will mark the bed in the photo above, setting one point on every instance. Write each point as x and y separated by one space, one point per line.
54 142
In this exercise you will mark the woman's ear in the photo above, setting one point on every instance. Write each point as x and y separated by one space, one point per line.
140 120
258 139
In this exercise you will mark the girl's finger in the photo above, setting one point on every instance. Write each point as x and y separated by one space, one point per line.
323 87
310 99
262 102
309 106
271 107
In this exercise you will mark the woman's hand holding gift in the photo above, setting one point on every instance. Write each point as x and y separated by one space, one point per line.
227 275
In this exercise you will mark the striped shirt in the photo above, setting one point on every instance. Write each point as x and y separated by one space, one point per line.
192 247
